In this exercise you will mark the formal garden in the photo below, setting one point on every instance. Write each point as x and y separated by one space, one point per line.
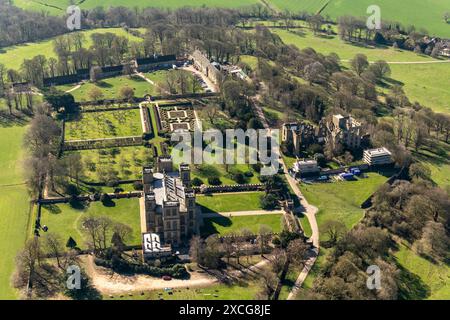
119 163
107 124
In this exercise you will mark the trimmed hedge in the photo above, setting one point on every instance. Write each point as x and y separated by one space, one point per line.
177 271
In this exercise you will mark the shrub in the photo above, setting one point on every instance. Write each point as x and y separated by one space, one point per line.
196 182
257 167
214 181
105 198
239 178
72 190
269 202
249 174
137 185
116 263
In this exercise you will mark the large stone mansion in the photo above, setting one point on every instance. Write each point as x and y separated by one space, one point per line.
169 203
344 130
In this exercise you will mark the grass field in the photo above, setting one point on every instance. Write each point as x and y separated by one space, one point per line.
107 124
14 205
346 50
422 279
341 200
242 291
90 4
12 57
225 225
110 88
439 164
126 161
230 202
426 83
426 14
65 220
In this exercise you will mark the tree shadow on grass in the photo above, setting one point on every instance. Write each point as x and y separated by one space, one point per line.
10 120
137 79
389 82
78 205
52 208
103 84
411 287
108 203
210 225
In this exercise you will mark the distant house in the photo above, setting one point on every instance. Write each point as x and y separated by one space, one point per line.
376 157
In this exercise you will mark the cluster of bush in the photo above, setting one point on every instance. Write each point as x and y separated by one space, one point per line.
120 265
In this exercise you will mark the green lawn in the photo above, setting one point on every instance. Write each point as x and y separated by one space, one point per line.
421 278
110 88
439 164
226 225
12 57
157 139
242 291
90 4
420 13
107 124
346 50
341 200
126 161
426 83
65 220
230 202
14 205
250 60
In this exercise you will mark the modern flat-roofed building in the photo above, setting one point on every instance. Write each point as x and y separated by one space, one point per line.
305 168
379 156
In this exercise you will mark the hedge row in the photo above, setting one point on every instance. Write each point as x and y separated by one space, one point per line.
177 271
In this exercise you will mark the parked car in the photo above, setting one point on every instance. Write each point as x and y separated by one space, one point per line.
167 278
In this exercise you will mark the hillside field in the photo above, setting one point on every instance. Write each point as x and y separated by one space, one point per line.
426 14
12 57
14 205
423 78
58 7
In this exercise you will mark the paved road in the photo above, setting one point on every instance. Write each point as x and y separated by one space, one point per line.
308 210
